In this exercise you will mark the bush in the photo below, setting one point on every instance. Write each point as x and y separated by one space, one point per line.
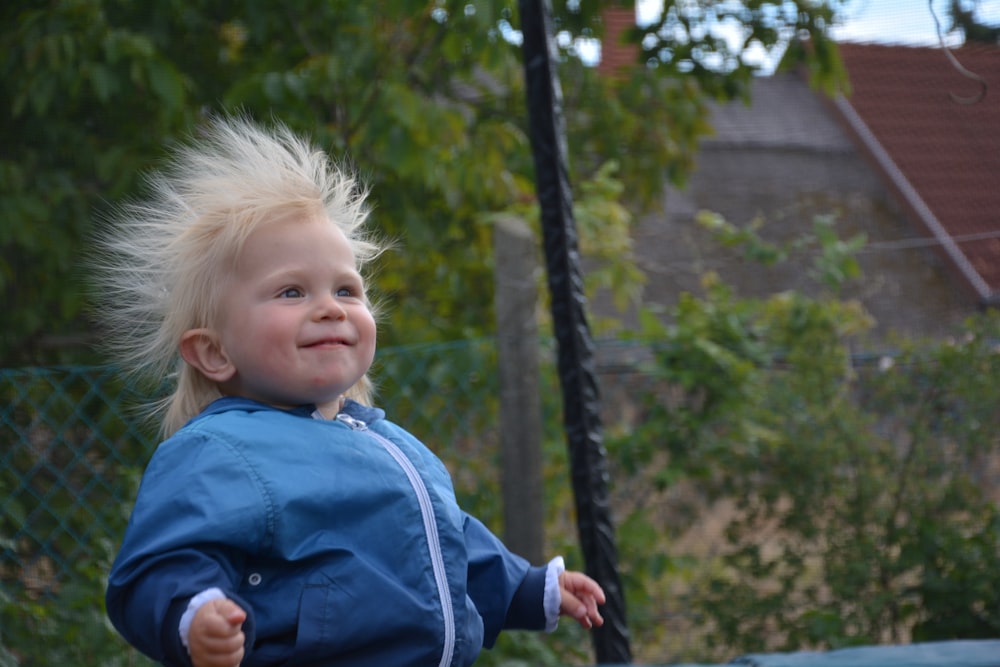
855 492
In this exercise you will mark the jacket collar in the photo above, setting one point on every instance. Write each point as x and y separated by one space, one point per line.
364 413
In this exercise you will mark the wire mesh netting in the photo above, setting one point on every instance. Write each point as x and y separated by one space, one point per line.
915 438
75 440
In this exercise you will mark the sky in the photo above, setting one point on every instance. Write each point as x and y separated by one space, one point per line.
904 21
884 21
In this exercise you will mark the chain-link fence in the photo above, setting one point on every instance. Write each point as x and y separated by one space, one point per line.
74 441
922 440
66 470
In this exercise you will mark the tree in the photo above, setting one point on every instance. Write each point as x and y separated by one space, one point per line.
963 17
425 98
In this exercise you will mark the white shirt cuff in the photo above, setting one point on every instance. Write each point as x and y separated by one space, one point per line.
184 627
552 597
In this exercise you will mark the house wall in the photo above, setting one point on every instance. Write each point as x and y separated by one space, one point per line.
784 160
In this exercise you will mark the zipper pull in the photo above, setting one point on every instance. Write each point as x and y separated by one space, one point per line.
354 424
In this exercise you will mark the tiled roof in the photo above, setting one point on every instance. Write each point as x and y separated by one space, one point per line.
941 156
616 53
909 110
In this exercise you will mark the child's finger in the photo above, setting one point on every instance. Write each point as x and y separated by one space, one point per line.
580 584
583 610
592 612
581 596
573 606
216 638
231 612
218 651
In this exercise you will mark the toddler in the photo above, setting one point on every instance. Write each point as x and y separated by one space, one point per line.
283 519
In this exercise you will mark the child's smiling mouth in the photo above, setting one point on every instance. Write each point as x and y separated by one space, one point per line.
327 342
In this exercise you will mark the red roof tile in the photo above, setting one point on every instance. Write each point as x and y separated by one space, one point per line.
616 53
948 152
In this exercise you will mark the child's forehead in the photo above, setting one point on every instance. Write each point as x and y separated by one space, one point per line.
303 233
279 223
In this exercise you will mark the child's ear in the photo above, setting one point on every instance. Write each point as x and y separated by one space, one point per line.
202 349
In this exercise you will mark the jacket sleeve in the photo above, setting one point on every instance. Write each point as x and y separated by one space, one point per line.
198 510
507 591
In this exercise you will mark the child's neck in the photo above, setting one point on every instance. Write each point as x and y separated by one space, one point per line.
330 409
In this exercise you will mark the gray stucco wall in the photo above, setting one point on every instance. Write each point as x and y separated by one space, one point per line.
785 159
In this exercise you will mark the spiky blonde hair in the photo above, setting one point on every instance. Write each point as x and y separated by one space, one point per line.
161 258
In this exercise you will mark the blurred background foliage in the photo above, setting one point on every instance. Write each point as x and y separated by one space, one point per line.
813 495
774 488
423 98
853 497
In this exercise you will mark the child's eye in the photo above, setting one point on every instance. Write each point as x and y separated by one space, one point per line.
291 293
345 291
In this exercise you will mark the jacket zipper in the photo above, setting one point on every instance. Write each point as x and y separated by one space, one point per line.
430 529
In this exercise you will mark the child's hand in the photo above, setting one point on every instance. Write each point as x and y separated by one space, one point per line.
580 597
216 635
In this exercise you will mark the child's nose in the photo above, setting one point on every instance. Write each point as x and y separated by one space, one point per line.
329 307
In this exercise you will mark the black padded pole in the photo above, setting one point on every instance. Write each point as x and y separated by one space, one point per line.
577 374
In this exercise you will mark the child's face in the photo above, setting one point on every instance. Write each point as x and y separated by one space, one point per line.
295 323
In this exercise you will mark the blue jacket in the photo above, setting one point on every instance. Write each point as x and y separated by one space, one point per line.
341 539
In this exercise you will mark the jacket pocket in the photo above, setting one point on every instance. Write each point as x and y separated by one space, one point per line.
315 623
372 621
